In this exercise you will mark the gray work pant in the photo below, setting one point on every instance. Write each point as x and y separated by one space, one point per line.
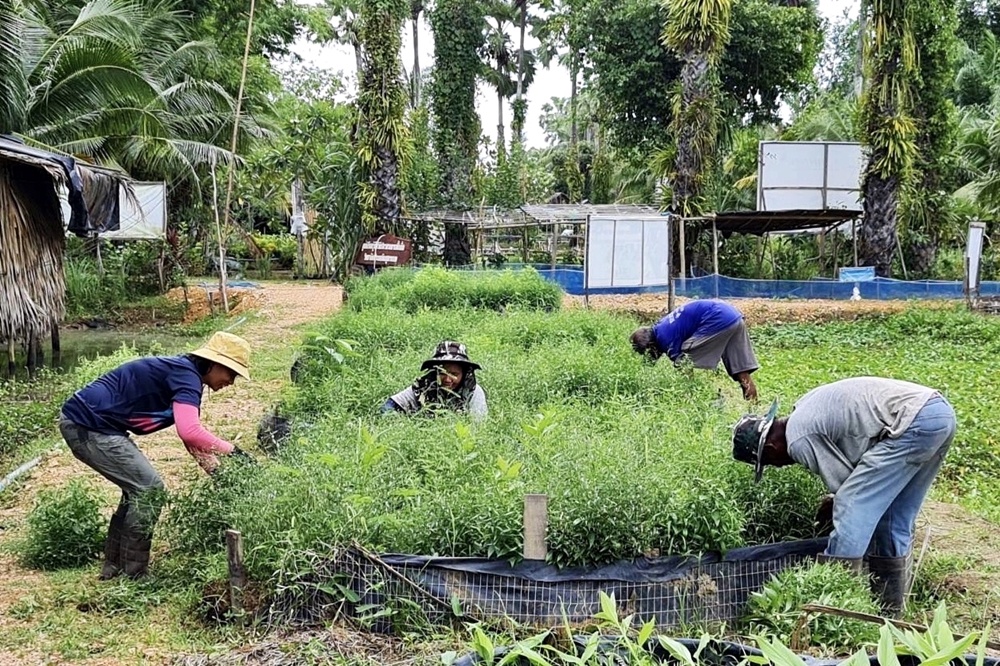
732 346
119 460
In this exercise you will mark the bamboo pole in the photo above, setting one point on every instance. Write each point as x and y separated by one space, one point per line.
222 254
232 143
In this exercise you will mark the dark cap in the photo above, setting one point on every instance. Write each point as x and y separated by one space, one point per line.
749 435
449 351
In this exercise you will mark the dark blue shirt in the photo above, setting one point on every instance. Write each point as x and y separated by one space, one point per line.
136 397
695 318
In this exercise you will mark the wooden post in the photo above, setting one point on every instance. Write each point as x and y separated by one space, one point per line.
39 351
11 366
56 345
536 522
31 349
682 244
524 245
854 237
715 255
237 574
555 247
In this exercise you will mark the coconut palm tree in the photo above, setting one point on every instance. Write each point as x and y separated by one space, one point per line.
520 110
504 70
979 157
113 80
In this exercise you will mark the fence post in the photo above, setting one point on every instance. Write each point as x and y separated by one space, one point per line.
536 522
237 574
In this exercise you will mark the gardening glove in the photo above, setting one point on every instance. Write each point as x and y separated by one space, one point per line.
242 455
824 516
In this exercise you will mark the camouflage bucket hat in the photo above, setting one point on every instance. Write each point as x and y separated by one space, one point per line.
749 436
449 351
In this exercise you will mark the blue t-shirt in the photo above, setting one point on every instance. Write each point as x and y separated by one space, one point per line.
136 397
695 318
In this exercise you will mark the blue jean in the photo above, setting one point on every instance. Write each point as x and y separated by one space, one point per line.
875 510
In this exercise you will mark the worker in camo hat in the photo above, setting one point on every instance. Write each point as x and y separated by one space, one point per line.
141 397
877 444
448 382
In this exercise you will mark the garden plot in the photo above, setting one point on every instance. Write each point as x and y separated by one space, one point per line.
635 458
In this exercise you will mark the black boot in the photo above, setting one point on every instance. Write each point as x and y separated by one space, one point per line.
112 566
890 580
853 564
135 555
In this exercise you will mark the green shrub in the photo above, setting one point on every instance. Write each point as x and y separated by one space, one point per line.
65 528
438 288
25 415
777 608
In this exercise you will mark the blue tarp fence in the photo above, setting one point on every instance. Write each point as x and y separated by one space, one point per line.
570 278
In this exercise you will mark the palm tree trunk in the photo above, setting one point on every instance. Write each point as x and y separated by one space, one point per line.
501 140
415 90
522 23
572 103
877 239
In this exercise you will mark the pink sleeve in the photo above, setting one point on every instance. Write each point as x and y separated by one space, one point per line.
199 442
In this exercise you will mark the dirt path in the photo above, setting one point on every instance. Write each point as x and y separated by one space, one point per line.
232 413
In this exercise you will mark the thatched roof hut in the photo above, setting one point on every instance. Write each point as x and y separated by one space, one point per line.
32 235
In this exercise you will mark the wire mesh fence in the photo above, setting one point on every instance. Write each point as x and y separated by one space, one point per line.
389 592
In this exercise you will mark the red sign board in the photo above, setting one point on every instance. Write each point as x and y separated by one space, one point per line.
384 250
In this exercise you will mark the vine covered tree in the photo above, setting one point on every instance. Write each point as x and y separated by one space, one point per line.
887 125
927 208
698 31
382 98
458 38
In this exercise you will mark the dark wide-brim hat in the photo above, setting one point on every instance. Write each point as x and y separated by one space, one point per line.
749 437
449 351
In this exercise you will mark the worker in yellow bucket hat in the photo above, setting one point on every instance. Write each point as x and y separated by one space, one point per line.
138 398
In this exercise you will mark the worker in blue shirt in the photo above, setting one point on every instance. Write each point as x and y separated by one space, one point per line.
704 331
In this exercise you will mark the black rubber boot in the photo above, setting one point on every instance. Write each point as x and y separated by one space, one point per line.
890 579
135 555
853 564
112 566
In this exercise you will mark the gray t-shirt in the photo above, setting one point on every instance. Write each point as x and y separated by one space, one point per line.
832 426
407 400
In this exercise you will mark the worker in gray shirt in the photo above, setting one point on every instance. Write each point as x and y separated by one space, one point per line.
877 444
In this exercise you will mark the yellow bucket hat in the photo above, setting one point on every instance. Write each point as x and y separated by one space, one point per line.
229 350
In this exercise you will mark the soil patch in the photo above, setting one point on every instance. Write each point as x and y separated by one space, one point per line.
651 307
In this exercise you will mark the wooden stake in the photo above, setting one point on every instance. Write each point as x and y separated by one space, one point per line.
536 522
237 573
56 346
876 619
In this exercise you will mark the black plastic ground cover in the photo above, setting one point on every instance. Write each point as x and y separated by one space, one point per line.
673 591
716 653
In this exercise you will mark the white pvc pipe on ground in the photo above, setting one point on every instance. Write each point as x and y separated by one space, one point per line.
10 478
